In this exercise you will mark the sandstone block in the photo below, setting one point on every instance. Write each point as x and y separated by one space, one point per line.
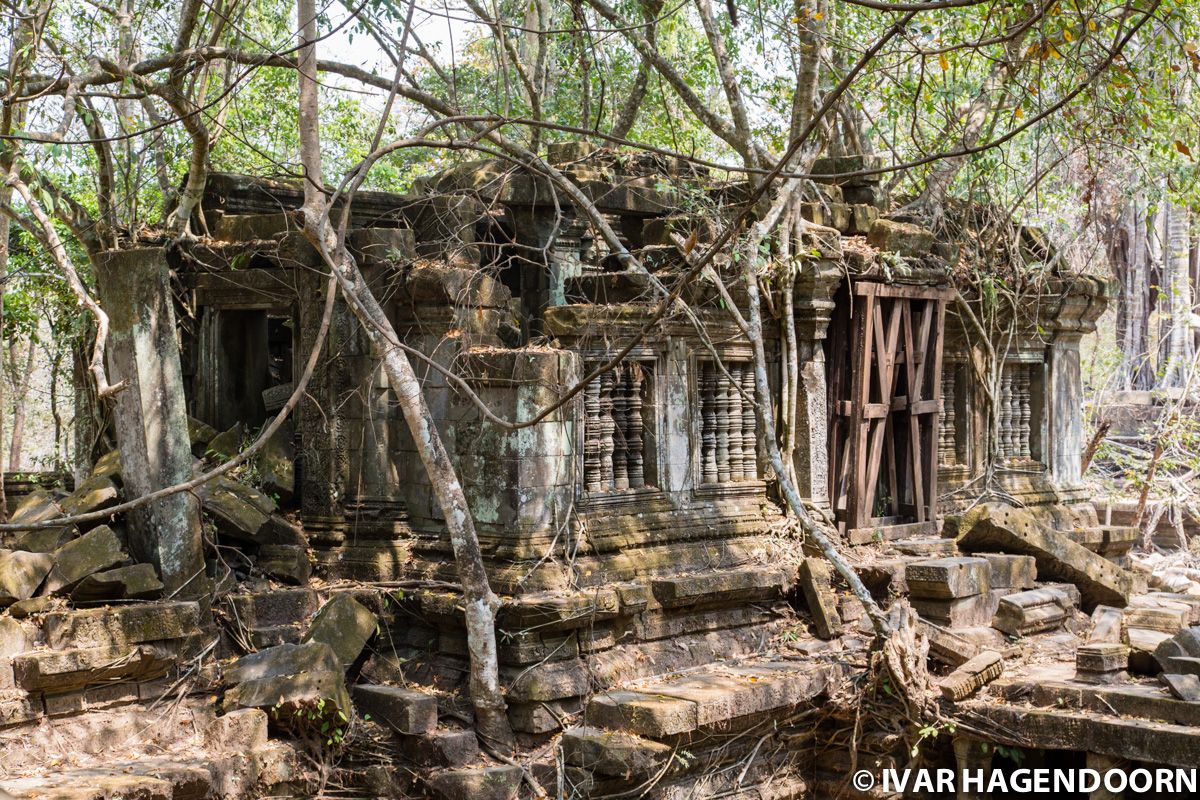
991 527
441 748
1008 571
960 612
1035 610
345 625
479 783
613 753
135 582
288 563
21 574
1185 687
900 237
124 625
972 676
290 680
403 710
54 671
946 578
94 494
97 550
1107 623
818 594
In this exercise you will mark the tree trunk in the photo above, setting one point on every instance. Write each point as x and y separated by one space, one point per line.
1129 256
1176 341
480 602
20 396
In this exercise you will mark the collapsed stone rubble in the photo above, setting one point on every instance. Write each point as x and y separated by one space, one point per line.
663 630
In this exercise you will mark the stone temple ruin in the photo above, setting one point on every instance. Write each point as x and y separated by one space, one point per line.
665 631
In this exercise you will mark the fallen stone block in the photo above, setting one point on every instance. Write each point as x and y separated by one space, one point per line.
961 612
37 506
403 710
1192 602
21 574
288 563
479 783
1007 571
244 514
947 578
279 607
94 494
226 444
972 676
441 748
818 594
108 465
345 625
1183 665
135 582
1110 541
27 608
45 540
124 625
298 684
1107 624
276 464
1165 616
1035 610
199 435
55 671
947 646
1185 687
1184 643
1102 662
97 550
1143 646
613 753
991 527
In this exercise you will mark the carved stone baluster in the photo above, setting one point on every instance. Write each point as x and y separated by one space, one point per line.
635 426
1004 436
605 428
947 440
737 463
620 401
591 437
708 424
722 398
749 426
1024 402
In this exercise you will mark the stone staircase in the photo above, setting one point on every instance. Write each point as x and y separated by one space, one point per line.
698 730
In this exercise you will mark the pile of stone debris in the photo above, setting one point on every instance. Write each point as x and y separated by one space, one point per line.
90 564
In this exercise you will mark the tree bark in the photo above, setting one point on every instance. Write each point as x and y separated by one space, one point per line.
1177 342
20 393
480 602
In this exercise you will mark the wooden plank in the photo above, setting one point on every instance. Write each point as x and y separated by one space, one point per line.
860 361
921 407
871 289
931 432
914 427
885 368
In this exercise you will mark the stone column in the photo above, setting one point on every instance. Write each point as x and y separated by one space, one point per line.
150 415
1065 390
813 309
322 437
